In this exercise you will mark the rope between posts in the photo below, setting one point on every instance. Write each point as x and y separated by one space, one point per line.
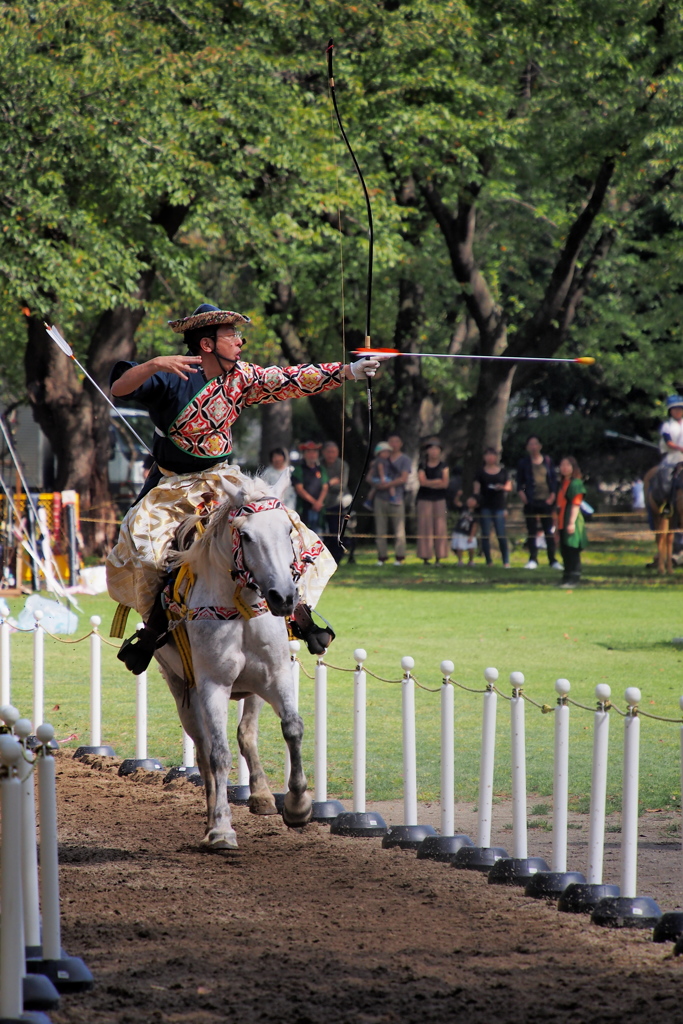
659 718
470 689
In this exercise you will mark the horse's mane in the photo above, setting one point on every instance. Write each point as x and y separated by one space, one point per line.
212 549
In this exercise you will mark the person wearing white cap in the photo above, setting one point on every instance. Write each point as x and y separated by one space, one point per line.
671 432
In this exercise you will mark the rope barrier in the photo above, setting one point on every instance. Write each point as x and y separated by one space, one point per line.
545 709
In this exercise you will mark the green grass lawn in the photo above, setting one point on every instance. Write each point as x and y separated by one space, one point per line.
616 628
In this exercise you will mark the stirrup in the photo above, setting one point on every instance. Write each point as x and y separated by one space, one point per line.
138 650
666 510
316 638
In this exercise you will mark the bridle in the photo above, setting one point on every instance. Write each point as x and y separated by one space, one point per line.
241 572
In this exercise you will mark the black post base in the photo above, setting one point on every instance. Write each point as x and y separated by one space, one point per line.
327 811
516 870
359 825
551 884
146 764
68 974
32 742
584 897
239 795
39 992
181 771
34 1017
104 751
626 912
443 848
669 928
406 837
478 858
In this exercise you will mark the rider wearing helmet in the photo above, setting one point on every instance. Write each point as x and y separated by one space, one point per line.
671 446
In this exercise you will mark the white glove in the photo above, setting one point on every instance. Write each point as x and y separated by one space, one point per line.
364 367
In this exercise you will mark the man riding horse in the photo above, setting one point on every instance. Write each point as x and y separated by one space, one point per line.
193 400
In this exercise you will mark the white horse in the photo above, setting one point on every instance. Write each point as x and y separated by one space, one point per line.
241 657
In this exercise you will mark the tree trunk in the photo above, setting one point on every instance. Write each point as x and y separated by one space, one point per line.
276 429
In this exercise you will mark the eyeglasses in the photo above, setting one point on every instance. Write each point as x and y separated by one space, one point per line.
235 334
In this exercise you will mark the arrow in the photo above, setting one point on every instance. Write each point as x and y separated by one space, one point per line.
390 353
68 351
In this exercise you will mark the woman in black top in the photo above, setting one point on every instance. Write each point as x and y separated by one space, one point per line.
432 533
491 484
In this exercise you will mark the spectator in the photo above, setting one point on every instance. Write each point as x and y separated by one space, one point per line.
388 480
537 489
491 484
338 479
310 483
273 474
432 533
464 534
570 520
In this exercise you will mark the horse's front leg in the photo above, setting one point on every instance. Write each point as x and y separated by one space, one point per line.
298 806
261 800
214 699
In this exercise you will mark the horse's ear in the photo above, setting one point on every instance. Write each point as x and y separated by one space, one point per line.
234 491
278 489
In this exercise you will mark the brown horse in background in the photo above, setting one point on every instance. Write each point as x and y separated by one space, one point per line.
664 496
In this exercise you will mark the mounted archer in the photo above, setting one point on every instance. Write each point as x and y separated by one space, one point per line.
193 401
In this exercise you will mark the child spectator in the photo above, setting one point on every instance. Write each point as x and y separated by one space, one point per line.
464 534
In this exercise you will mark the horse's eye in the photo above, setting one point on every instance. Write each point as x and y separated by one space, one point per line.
245 536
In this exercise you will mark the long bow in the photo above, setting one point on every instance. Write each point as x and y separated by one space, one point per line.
368 301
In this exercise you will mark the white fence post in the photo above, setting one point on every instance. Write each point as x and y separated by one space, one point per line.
628 908
359 822
409 835
5 664
359 730
520 868
38 670
141 717
12 963
95 683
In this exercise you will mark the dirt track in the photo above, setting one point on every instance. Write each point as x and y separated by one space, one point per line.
306 928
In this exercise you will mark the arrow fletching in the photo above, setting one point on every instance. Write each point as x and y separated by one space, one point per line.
56 337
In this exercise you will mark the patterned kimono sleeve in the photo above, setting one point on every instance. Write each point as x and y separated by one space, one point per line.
277 383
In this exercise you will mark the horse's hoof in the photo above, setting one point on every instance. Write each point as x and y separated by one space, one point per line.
297 811
262 804
215 840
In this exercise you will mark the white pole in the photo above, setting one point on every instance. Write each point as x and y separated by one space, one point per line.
29 847
561 777
95 683
596 828
320 732
409 753
38 670
188 751
12 961
141 716
629 810
5 671
518 745
488 750
242 767
447 751
294 648
359 730
49 858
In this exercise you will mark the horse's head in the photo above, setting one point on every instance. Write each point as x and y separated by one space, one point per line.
263 554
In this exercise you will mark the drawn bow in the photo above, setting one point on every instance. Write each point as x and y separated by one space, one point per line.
368 302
